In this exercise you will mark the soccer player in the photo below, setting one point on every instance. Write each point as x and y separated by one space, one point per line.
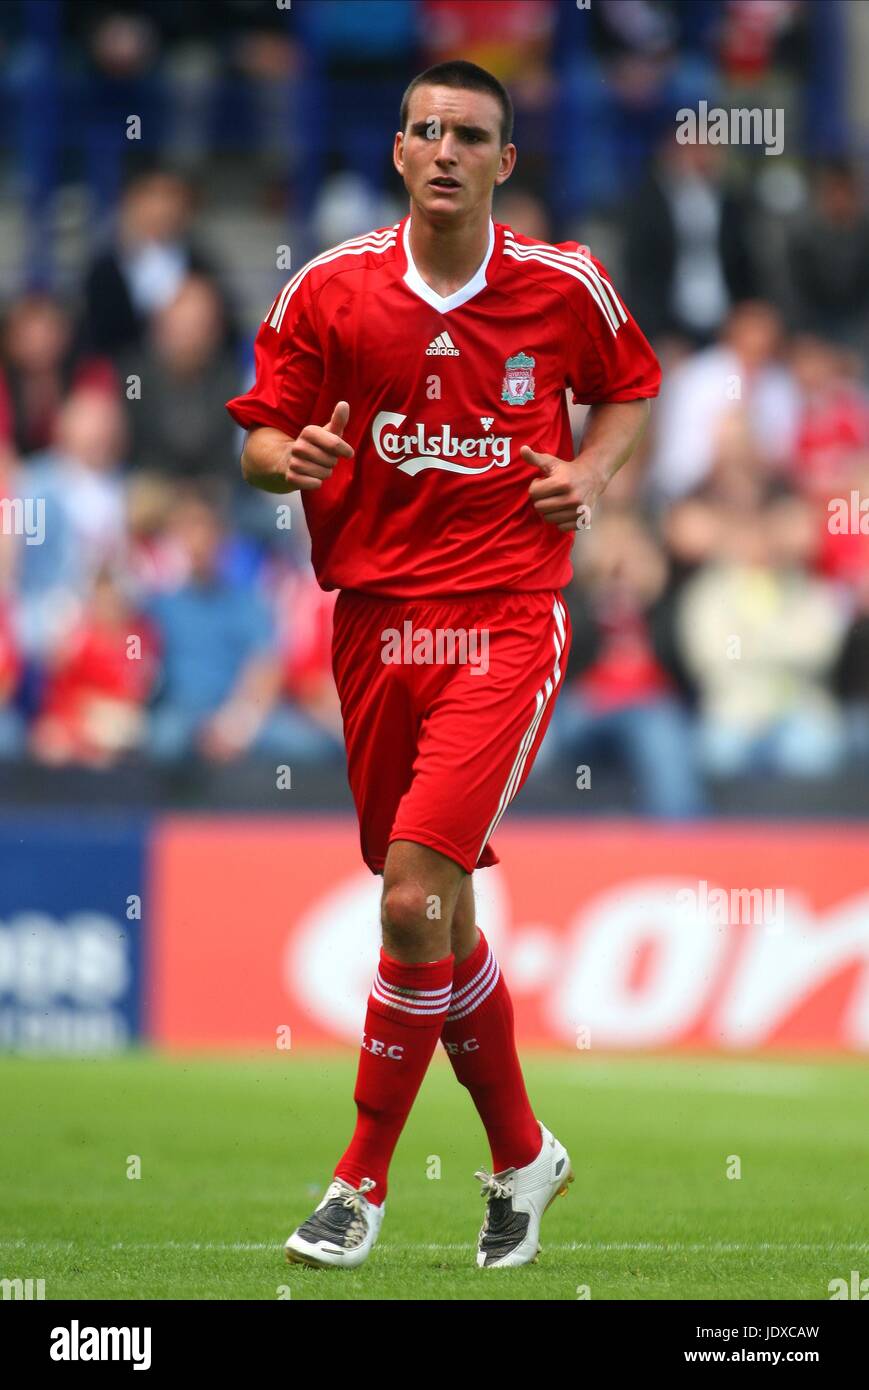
411 384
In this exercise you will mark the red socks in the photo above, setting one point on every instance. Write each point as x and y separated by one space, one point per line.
407 1007
478 1037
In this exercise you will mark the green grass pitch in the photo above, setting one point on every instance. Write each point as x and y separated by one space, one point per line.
235 1153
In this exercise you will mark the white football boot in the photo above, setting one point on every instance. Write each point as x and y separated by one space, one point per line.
341 1231
516 1201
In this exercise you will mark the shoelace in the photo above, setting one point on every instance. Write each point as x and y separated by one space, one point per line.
353 1196
354 1199
492 1186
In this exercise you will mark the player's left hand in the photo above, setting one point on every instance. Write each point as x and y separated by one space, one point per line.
567 491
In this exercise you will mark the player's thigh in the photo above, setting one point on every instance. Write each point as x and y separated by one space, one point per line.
480 735
379 716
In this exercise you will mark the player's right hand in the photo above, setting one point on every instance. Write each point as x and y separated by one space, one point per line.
315 452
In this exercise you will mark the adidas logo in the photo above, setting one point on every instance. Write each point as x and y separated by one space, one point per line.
442 346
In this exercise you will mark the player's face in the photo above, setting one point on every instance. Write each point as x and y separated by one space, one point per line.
450 155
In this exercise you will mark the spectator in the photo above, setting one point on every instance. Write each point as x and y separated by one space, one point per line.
689 535
828 255
77 489
221 677
760 636
739 480
201 72
630 66
741 383
39 367
833 423
620 700
185 375
156 562
687 257
99 678
755 40
130 281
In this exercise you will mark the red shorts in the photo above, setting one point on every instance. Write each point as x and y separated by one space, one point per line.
445 702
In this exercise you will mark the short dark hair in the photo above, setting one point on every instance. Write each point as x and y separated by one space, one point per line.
470 78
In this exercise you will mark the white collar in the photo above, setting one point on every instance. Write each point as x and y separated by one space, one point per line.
443 303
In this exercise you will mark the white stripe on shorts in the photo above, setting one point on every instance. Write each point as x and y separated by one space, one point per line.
541 700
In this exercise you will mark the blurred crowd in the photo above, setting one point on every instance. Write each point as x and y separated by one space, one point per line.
151 605
154 608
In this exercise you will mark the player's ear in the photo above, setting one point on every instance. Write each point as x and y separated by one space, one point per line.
398 151
507 165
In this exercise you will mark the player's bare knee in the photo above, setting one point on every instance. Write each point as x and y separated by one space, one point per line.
403 909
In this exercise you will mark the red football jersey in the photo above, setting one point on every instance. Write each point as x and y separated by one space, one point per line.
443 392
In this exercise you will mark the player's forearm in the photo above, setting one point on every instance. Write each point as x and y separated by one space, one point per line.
264 460
613 429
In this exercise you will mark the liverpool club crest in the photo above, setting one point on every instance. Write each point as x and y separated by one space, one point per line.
518 380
